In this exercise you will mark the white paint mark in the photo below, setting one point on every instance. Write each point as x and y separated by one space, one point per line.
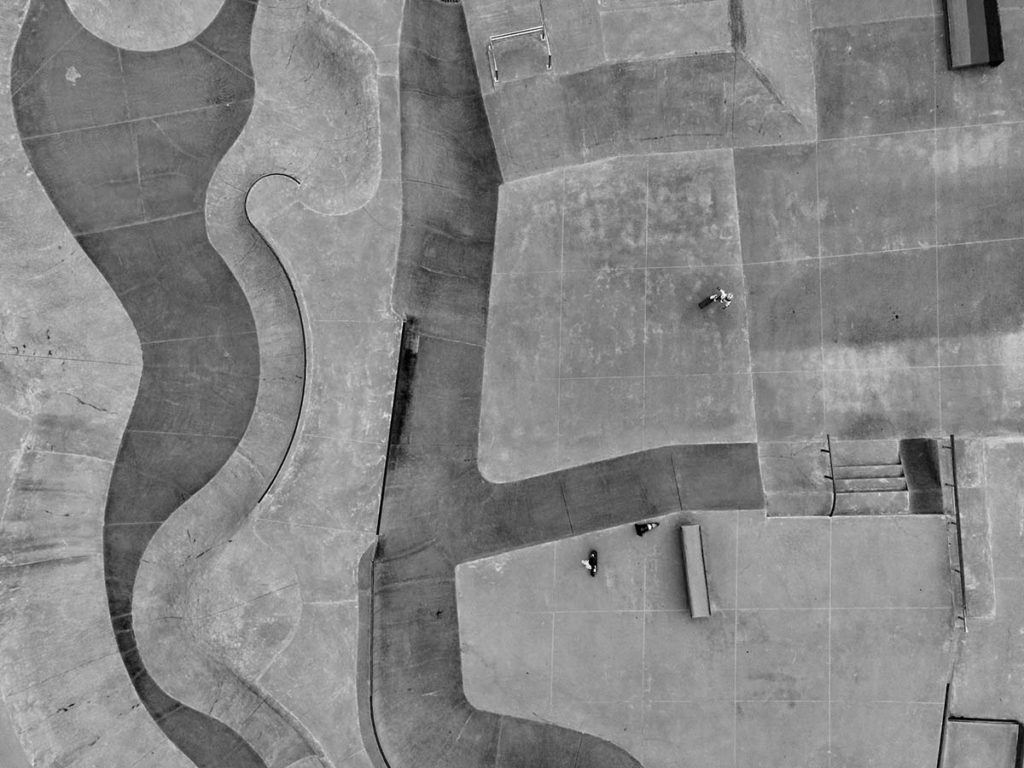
72 75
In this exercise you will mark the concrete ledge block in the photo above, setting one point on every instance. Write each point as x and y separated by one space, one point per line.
694 571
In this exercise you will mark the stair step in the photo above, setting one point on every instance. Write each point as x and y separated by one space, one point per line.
862 484
873 503
852 452
869 470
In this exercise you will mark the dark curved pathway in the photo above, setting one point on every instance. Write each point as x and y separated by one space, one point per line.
125 144
437 509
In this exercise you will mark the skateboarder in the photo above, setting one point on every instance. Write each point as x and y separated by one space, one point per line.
720 296
591 562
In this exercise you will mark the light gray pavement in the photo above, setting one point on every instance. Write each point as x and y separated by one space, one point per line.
831 641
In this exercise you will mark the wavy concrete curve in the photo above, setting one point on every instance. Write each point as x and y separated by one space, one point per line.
316 116
260 604
437 509
173 113
145 25
196 581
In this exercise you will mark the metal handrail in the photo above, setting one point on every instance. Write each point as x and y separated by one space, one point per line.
492 58
959 531
831 472
519 33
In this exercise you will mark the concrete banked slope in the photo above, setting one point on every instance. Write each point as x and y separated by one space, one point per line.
125 144
437 508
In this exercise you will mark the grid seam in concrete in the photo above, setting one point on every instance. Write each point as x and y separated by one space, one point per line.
551 660
752 400
736 643
139 223
220 58
134 133
828 648
867 23
152 342
643 661
732 106
647 275
817 224
57 359
935 220
558 371
143 119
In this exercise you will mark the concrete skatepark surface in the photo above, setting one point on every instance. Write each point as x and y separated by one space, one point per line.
273 581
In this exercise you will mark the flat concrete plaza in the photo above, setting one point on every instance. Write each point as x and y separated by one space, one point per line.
830 642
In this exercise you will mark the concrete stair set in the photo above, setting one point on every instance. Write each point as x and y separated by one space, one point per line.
886 477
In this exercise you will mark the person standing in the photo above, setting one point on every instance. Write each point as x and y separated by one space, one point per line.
591 562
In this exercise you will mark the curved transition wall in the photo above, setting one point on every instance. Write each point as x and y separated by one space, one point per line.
145 25
125 144
437 509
